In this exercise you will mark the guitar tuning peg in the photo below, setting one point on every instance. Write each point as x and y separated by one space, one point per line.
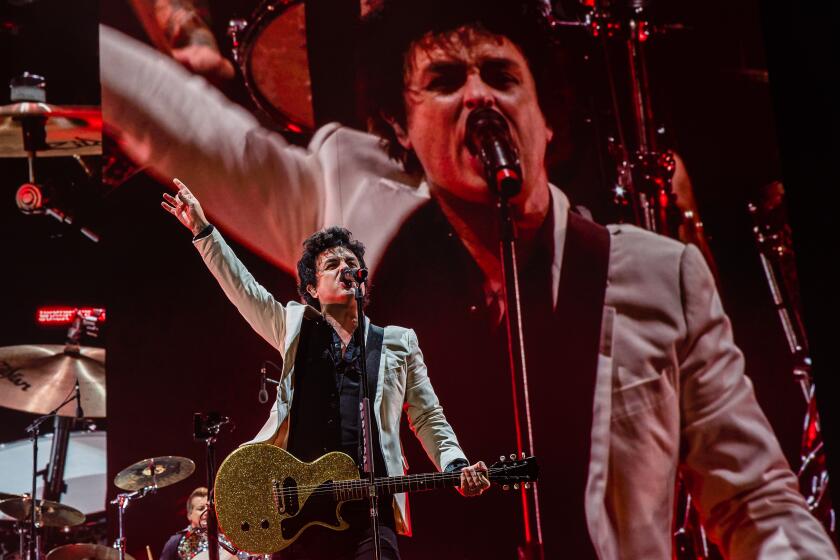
506 487
527 485
516 486
523 454
502 458
513 456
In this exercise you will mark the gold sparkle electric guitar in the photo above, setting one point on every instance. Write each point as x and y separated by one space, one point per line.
266 498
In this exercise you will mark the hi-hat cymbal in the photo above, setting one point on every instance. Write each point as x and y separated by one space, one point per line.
53 514
37 378
70 130
85 552
156 471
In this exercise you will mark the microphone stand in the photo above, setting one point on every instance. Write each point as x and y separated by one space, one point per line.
365 412
34 548
516 356
206 428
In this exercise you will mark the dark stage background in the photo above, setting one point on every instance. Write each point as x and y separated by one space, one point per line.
176 346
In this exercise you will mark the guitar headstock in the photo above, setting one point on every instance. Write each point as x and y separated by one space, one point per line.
512 471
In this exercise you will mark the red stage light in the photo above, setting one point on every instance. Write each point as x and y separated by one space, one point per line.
64 315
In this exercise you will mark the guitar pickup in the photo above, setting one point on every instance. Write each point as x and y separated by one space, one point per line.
277 495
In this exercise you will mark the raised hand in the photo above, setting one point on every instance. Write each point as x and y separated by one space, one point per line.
185 206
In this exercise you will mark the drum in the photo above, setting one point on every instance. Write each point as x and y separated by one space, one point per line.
274 63
271 51
84 472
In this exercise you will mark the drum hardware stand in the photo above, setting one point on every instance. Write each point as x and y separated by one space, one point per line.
643 191
29 197
54 485
206 429
33 547
122 501
773 238
365 412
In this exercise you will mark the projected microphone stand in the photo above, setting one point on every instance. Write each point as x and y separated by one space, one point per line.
507 183
365 412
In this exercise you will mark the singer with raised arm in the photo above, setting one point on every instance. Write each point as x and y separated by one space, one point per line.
317 406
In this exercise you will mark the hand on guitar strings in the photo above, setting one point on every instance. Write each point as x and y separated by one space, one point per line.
474 480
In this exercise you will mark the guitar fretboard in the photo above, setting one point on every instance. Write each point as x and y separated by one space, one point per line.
360 489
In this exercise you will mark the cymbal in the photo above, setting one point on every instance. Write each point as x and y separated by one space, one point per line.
85 552
37 378
71 130
53 514
167 470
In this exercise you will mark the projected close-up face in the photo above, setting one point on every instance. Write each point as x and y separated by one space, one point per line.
447 77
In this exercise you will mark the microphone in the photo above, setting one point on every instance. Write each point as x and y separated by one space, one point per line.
350 275
488 137
263 394
79 412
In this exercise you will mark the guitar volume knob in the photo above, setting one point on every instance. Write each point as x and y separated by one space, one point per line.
245 526
264 524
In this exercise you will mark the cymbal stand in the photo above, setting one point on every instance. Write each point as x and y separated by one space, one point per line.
33 548
773 237
643 190
122 501
206 429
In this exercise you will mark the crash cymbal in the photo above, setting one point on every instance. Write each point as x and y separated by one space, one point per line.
53 514
85 552
69 130
156 471
37 378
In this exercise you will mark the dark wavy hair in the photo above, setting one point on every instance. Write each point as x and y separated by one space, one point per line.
389 33
316 244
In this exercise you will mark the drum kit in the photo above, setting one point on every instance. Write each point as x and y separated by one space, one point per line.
66 384
31 128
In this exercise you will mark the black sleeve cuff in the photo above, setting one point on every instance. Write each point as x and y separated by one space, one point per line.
208 229
456 466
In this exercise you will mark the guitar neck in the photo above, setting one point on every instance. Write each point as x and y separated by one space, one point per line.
360 488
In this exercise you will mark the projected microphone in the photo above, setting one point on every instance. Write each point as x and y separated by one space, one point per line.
263 394
488 137
350 275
